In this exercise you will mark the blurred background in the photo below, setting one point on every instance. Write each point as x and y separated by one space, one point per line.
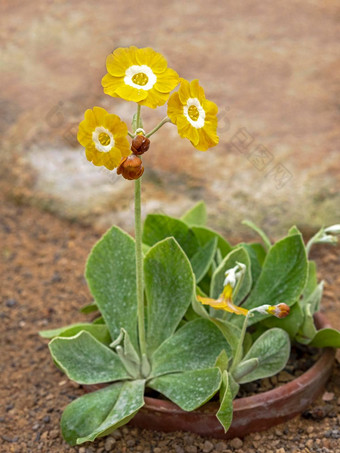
271 67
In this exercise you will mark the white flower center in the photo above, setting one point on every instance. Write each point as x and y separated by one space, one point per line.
141 77
194 113
103 139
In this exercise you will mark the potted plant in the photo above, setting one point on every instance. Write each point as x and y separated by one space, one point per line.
182 312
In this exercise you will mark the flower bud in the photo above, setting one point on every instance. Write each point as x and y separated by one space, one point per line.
130 167
279 310
140 145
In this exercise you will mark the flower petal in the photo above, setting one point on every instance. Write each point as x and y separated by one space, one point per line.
167 81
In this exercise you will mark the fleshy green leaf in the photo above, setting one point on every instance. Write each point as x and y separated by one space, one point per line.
308 330
326 338
230 332
85 360
283 275
169 287
222 361
197 215
111 275
225 412
245 367
89 308
311 282
272 349
99 331
237 255
255 266
202 259
205 235
99 413
194 346
158 227
259 231
189 390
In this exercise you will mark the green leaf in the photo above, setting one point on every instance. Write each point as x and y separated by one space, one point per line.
314 299
222 361
203 258
234 386
291 324
230 332
294 230
255 266
189 390
99 331
99 413
205 235
225 412
283 276
158 227
89 308
194 346
85 360
197 215
169 287
311 282
326 338
272 349
308 330
259 231
245 367
111 275
260 251
237 255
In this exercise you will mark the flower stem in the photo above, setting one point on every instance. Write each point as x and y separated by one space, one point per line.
139 255
139 266
238 352
155 129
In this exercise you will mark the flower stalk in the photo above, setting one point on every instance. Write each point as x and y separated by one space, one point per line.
139 256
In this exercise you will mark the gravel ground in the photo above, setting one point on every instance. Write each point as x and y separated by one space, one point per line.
42 259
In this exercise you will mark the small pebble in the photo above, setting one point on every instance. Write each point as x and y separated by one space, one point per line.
11 303
207 446
191 449
327 396
220 446
179 449
47 419
236 443
82 450
109 443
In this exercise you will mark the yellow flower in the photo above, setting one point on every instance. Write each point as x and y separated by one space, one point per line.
139 75
224 302
194 115
103 136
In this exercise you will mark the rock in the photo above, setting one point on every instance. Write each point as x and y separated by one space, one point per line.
207 446
179 449
236 443
191 449
109 443
47 419
220 446
327 396
82 450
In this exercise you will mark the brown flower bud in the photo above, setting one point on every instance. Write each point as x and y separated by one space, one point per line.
130 167
140 145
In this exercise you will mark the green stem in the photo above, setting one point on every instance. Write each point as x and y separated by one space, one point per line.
130 134
139 255
238 352
155 129
139 266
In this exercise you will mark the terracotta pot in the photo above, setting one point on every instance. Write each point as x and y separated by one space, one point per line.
251 414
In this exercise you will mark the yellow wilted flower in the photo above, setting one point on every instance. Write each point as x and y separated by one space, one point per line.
194 115
139 75
103 136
